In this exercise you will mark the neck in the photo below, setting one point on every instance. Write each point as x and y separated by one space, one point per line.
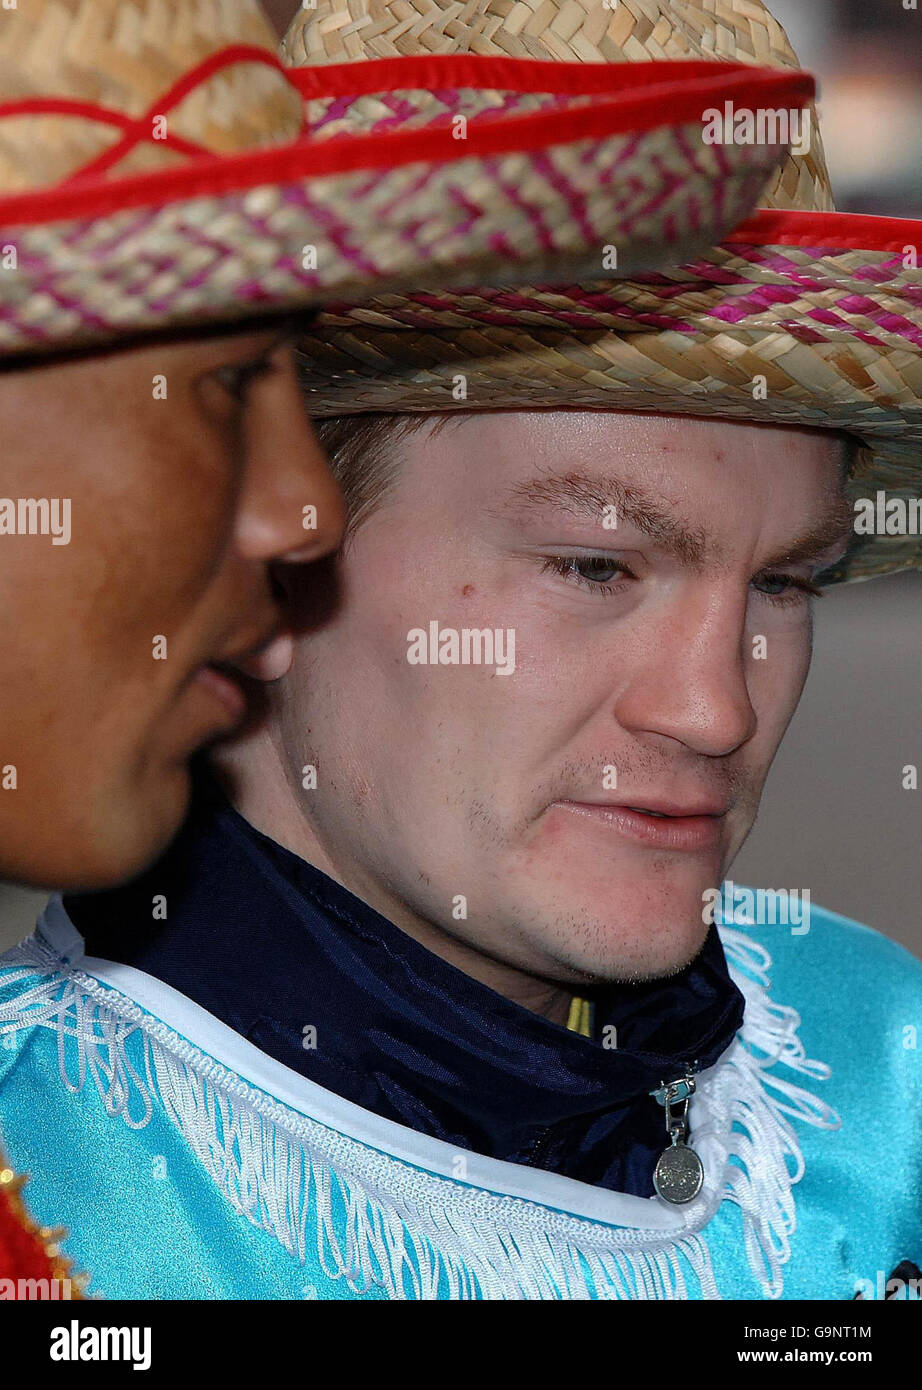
270 804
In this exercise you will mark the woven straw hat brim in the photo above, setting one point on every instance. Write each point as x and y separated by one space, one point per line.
577 160
820 313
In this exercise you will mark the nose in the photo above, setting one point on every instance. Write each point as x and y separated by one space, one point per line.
690 683
291 507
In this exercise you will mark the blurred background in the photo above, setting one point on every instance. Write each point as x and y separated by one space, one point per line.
835 817
867 55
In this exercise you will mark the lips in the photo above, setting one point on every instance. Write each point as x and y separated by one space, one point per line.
674 810
687 826
263 654
221 685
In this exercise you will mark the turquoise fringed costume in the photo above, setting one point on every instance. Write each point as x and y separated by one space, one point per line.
186 1163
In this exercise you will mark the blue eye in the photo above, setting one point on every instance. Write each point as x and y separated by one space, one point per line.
594 572
776 588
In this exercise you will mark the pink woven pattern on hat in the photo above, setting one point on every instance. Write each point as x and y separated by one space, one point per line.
180 261
594 33
835 333
772 288
412 109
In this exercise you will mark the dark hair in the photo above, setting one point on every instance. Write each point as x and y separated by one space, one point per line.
362 453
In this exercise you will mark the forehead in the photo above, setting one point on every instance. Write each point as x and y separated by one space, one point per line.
518 452
691 484
637 439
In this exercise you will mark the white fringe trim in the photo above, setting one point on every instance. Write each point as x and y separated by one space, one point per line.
411 1231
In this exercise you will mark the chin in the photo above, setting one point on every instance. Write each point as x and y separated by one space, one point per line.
626 955
648 930
90 832
134 825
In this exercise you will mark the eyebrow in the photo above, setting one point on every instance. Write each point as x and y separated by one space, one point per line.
584 496
836 529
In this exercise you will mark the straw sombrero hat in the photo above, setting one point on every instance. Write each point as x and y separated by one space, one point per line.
157 168
803 315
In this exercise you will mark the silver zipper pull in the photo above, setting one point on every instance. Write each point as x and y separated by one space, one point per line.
679 1172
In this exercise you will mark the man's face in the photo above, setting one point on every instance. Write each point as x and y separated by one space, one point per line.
656 666
176 505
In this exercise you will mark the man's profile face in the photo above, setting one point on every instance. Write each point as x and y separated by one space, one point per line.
185 466
657 665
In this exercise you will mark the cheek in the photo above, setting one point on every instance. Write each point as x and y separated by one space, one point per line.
152 492
451 724
777 681
156 562
140 565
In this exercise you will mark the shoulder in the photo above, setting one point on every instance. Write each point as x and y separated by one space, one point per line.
813 947
34 992
842 1004
23 1001
856 995
23 969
